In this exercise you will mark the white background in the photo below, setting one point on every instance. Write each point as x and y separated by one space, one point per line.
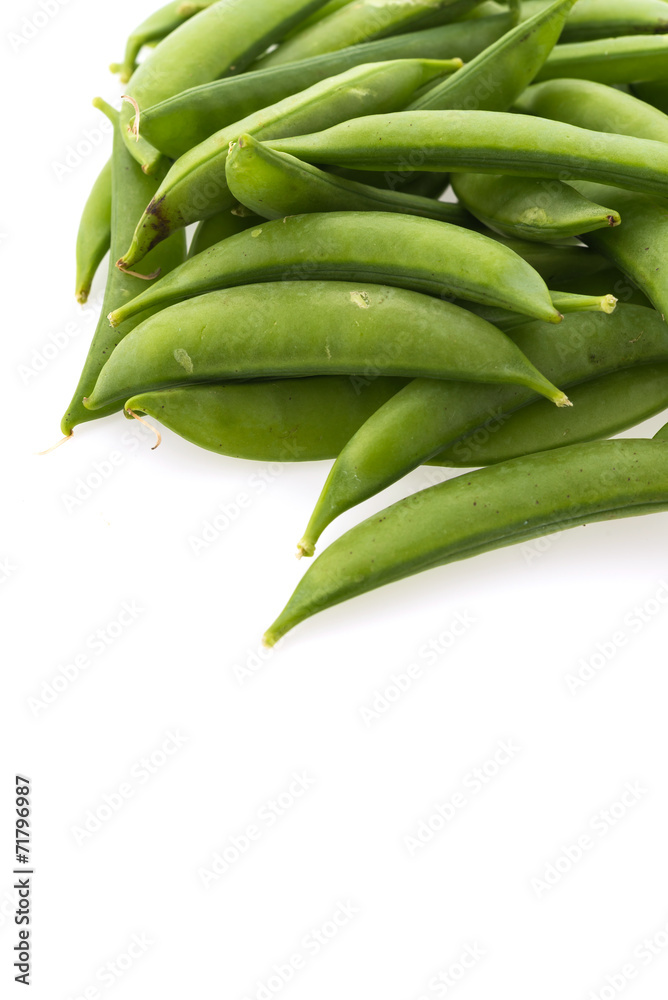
178 669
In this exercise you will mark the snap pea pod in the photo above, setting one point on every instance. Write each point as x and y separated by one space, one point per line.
153 29
284 420
362 22
592 19
184 120
624 290
595 106
640 247
444 260
602 407
196 187
609 60
330 8
275 185
495 78
226 35
487 142
220 227
94 236
654 93
477 512
530 209
130 189
428 416
275 330
563 302
559 266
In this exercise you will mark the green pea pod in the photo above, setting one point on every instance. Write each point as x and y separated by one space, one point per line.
640 248
559 266
275 185
225 36
130 189
220 227
602 407
495 78
530 209
286 420
487 142
609 60
594 106
563 302
293 328
177 124
624 290
429 416
444 260
94 236
477 512
654 93
195 186
156 27
592 19
362 21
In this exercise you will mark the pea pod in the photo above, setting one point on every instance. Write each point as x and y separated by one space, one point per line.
130 189
94 236
195 186
361 22
560 266
428 416
530 209
275 185
563 302
153 29
609 60
477 512
444 260
285 420
640 247
487 142
274 330
592 19
596 107
225 35
220 227
602 407
184 120
495 78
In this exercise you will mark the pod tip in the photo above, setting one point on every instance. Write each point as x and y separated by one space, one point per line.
305 548
609 304
82 296
562 400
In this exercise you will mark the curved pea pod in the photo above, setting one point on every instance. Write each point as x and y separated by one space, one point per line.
640 248
275 185
609 60
444 260
286 420
654 93
530 209
495 78
220 227
177 124
94 236
487 142
563 302
196 187
594 106
224 36
294 328
361 22
153 29
592 19
477 512
130 188
602 407
428 416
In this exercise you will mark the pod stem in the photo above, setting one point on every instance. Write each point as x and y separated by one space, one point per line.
120 264
133 127
150 427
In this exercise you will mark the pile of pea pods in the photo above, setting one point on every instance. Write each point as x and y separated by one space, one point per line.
334 303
